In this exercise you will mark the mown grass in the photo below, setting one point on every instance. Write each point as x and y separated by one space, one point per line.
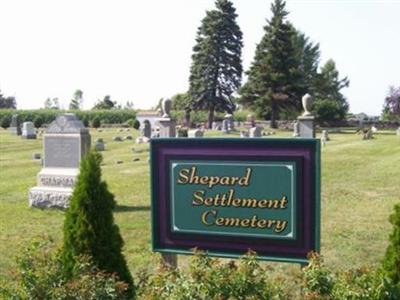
360 185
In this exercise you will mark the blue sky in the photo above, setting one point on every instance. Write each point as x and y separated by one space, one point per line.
140 50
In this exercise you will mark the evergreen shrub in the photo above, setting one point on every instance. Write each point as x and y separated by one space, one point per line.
5 122
391 262
89 227
38 122
96 122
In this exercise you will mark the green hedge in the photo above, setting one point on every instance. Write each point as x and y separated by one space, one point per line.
201 116
115 116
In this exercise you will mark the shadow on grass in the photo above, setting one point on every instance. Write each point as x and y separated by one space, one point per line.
127 208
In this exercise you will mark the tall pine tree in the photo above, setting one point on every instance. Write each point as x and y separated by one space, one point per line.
89 227
308 56
274 75
216 69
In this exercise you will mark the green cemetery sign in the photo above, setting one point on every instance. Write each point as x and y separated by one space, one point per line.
226 196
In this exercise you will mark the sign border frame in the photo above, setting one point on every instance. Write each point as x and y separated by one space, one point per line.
309 143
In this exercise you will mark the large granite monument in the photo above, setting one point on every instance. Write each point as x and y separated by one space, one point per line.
65 143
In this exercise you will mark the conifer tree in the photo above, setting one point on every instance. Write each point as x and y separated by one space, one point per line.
330 103
216 69
308 56
391 263
89 227
274 75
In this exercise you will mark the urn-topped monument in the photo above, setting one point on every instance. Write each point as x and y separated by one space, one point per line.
65 143
166 123
305 126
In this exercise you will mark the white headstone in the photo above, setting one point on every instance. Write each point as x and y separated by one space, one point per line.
28 130
255 132
195 133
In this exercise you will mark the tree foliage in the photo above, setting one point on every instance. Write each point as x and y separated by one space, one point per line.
391 263
76 101
106 103
180 101
308 57
89 227
391 107
7 102
53 103
274 76
328 94
216 69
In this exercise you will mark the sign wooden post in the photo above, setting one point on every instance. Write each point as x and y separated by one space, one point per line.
226 196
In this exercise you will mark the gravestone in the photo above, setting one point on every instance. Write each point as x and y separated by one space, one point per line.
255 132
65 142
146 132
306 121
229 121
99 145
324 137
195 133
367 134
117 138
398 131
28 130
296 129
225 127
250 121
166 123
15 126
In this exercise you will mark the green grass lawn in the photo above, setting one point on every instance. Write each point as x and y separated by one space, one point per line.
360 185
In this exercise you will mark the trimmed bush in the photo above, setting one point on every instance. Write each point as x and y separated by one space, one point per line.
96 122
208 278
5 122
38 122
89 227
111 116
39 275
391 263
133 123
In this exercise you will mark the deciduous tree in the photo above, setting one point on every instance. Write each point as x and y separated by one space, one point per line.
76 101
391 107
7 102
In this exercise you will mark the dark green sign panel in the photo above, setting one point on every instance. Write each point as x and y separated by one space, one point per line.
234 198
226 196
